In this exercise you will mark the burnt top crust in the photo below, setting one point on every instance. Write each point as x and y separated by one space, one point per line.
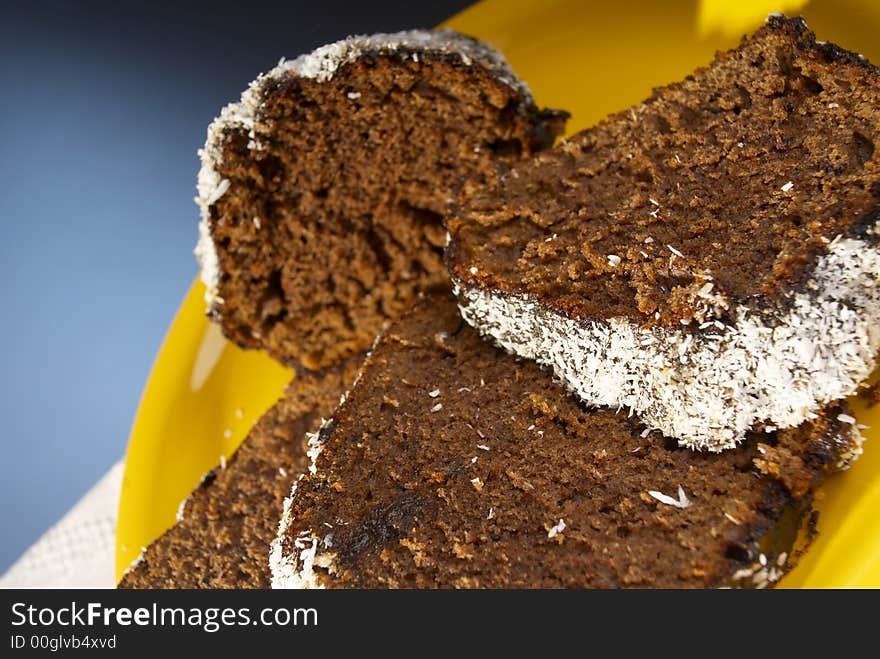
718 191
453 464
324 190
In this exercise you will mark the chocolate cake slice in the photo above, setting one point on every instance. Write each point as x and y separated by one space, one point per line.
324 190
707 259
453 464
224 528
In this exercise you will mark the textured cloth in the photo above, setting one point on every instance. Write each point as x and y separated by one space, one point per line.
78 551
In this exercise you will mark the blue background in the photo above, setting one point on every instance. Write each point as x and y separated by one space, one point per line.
102 108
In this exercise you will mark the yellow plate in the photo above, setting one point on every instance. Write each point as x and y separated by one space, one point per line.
591 58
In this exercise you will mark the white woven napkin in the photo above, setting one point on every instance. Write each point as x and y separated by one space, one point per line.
79 550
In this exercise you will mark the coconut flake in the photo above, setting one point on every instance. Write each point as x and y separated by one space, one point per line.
558 528
681 502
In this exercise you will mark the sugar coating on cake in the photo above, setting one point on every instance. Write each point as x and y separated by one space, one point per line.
224 527
320 140
709 259
454 464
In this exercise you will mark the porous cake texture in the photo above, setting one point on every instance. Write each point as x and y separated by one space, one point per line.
323 191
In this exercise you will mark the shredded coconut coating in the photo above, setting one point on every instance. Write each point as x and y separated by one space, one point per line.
707 387
320 65
293 571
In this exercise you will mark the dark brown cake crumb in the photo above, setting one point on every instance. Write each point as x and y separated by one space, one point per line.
453 464
222 539
743 172
333 219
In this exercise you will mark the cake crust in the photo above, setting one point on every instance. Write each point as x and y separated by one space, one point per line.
716 270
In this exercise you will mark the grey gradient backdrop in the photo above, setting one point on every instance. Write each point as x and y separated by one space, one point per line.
102 108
